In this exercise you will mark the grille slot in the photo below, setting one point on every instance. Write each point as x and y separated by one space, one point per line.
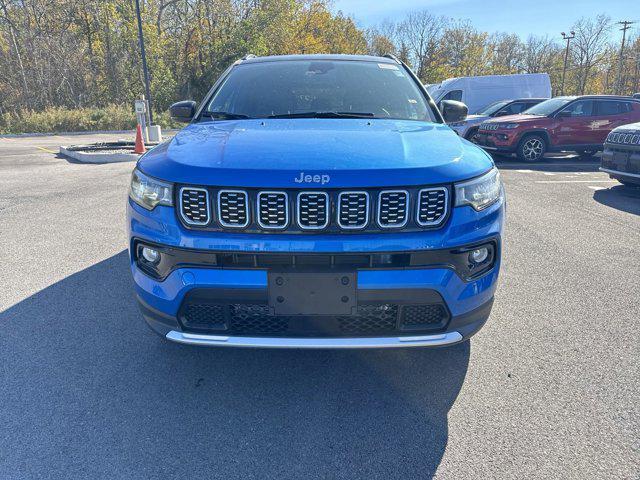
432 206
313 210
273 210
233 208
392 208
194 205
353 210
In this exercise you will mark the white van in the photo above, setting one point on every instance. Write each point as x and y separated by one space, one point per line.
479 92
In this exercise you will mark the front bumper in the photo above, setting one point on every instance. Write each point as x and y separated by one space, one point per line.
621 162
492 141
468 303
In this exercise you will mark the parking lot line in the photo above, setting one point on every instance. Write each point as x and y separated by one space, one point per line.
575 181
46 150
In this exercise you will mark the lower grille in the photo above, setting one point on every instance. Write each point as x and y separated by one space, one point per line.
370 319
367 320
421 317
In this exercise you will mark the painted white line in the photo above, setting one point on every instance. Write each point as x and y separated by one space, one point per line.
575 181
551 174
525 171
593 187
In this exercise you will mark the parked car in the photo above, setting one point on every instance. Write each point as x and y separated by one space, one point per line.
578 124
316 201
480 92
469 127
621 156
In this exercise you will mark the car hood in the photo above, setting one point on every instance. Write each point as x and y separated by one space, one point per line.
315 152
518 118
630 127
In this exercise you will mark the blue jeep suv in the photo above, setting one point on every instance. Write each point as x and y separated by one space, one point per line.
316 201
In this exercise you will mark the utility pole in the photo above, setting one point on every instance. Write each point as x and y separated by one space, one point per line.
145 70
626 25
567 38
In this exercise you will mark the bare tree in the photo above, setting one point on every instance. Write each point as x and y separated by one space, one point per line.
589 48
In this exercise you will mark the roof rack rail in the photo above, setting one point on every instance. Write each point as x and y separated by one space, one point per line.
392 57
248 56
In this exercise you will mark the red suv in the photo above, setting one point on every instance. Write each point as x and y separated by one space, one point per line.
578 124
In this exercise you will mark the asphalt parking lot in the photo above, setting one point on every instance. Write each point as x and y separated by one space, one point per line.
548 389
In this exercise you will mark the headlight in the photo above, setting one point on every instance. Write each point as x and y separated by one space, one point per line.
479 192
148 192
509 126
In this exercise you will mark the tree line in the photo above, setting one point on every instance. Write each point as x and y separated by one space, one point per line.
85 53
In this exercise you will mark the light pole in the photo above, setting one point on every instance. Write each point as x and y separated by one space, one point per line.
145 70
625 26
568 38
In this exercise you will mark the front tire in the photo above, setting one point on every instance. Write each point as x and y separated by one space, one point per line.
531 148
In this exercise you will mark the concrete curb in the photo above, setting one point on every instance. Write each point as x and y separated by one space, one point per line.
97 157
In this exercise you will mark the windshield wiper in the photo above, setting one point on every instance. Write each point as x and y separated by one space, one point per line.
225 115
323 115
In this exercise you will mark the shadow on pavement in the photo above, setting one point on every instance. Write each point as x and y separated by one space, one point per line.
89 391
620 197
569 164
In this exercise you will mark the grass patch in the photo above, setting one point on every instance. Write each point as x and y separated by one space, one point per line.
56 120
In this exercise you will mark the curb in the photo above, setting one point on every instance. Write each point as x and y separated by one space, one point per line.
98 157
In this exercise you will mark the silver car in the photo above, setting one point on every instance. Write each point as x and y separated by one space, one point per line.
469 127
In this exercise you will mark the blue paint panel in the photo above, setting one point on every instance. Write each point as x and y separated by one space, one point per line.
353 152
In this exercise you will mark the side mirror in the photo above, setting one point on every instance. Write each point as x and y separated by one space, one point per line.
564 114
453 111
501 113
183 111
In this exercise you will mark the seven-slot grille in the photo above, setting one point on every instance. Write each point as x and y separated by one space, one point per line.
624 138
273 210
233 208
392 208
313 210
353 210
194 205
432 206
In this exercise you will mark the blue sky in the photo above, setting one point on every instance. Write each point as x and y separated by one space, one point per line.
522 17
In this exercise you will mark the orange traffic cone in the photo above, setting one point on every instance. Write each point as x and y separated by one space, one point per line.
139 149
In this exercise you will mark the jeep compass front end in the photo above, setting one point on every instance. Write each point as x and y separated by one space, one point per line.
316 201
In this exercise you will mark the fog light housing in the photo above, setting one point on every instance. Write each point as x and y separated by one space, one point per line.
478 256
150 255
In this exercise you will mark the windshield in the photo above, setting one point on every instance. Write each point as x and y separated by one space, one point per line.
548 106
319 88
494 107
